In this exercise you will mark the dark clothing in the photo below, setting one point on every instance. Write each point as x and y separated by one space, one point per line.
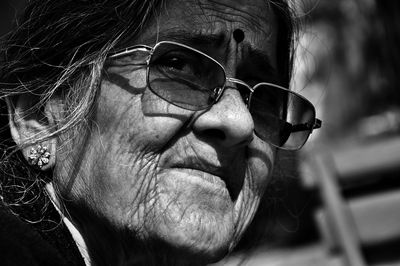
44 240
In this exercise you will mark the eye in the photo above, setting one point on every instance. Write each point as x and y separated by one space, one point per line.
177 63
270 100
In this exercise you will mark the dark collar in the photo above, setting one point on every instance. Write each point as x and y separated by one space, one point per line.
37 211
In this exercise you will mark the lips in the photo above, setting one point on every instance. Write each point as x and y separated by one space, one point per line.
219 176
212 177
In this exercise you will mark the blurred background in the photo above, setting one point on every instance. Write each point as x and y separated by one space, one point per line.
337 201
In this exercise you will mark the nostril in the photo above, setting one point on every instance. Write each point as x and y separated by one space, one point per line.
214 134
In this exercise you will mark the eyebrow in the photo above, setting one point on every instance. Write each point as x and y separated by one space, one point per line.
188 38
258 58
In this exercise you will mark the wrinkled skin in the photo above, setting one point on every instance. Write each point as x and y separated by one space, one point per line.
190 179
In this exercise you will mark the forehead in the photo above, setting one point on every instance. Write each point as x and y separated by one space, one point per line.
221 15
182 20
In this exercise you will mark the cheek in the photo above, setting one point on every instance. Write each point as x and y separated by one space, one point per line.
142 119
128 136
261 157
260 165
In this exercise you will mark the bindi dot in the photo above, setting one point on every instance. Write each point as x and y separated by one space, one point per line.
238 35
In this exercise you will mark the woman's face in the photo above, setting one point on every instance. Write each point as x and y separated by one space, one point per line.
190 179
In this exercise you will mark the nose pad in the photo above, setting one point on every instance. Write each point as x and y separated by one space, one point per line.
227 123
216 94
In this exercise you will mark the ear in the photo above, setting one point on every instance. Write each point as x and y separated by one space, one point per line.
30 122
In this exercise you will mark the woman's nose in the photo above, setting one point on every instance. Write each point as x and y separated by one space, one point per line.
227 123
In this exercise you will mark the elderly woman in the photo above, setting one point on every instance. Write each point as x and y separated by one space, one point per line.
142 132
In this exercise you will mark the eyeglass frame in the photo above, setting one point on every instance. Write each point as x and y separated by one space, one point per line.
220 91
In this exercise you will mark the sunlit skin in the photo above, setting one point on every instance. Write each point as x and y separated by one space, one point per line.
191 179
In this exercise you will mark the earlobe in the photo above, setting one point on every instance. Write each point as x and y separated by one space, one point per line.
29 127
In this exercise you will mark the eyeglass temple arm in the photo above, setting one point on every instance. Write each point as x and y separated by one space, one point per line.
306 126
130 50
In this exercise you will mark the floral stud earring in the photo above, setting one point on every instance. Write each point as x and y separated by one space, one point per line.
39 156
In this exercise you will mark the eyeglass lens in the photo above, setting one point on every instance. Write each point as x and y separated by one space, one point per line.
183 76
188 78
281 117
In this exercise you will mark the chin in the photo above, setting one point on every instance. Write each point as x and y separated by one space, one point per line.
195 220
196 248
198 235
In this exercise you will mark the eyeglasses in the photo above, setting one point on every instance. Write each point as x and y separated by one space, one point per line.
192 80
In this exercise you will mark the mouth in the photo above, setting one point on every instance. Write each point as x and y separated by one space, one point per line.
216 176
209 176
